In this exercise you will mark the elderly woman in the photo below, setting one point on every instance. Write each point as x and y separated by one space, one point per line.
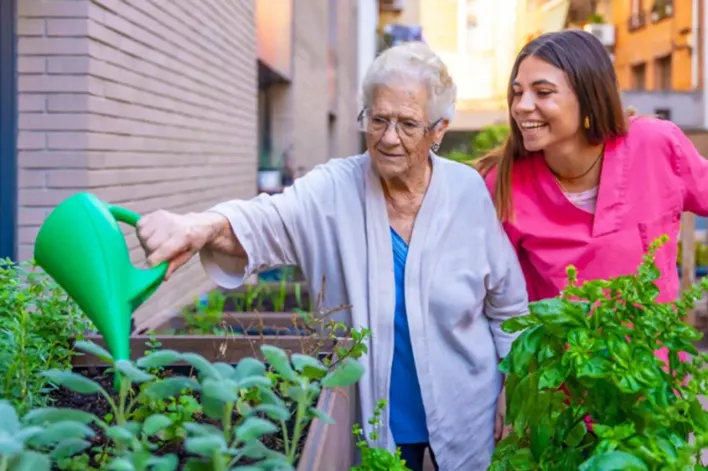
407 238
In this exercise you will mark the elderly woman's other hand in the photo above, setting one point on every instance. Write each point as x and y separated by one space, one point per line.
501 430
176 238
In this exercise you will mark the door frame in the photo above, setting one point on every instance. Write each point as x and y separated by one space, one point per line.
8 129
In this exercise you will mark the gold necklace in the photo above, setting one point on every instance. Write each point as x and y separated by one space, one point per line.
570 179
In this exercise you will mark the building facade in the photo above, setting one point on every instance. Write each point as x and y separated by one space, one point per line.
475 42
152 104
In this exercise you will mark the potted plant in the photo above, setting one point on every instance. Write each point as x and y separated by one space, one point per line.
585 389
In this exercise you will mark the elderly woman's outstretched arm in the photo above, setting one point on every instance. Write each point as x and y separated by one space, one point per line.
239 237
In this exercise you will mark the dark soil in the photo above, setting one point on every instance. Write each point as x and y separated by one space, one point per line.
97 404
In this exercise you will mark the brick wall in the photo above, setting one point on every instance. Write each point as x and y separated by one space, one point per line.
347 135
149 104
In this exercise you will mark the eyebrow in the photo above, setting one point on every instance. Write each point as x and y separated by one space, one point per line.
536 83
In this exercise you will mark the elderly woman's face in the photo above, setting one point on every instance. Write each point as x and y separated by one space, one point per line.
404 144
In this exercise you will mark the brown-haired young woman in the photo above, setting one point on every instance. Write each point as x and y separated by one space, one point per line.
577 182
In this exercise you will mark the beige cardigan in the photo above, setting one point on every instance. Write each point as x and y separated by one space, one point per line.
462 280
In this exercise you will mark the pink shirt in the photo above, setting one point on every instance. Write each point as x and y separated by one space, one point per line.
649 177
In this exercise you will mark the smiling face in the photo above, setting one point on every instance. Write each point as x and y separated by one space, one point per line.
396 151
544 105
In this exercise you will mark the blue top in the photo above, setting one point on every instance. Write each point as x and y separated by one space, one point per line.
407 414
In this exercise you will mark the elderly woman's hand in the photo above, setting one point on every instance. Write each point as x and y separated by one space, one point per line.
175 238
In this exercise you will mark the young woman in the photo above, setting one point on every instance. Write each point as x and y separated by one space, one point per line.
577 182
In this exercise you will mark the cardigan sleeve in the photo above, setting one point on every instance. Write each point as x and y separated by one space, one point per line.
274 230
692 169
506 287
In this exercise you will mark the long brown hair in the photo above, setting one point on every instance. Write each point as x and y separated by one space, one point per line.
592 77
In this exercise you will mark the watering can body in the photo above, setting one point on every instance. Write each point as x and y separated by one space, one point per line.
81 246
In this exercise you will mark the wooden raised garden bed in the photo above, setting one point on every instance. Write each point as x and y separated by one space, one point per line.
325 447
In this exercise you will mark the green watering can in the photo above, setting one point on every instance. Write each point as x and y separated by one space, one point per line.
81 246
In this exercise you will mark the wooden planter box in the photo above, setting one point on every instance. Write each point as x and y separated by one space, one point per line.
328 447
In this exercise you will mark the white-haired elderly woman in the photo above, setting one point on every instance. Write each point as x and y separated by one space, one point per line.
410 240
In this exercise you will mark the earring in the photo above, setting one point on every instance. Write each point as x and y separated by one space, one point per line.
435 146
587 122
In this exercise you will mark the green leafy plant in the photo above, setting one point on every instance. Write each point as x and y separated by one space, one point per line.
372 458
37 319
590 353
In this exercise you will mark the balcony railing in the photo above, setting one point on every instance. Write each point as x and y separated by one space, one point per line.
685 109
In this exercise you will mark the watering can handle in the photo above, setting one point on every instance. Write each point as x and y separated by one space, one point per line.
130 217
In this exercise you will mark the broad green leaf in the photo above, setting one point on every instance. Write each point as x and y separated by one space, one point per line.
48 415
300 362
169 387
134 374
255 381
614 461
225 370
576 434
201 430
156 423
224 390
347 373
278 359
253 428
69 447
10 423
321 415
272 411
205 445
95 350
202 365
60 431
553 375
120 433
249 367
121 464
159 359
32 461
163 463
72 381
9 445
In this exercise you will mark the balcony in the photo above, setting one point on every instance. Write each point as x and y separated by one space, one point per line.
637 20
685 109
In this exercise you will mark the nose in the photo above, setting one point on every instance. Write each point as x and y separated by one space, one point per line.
390 136
525 103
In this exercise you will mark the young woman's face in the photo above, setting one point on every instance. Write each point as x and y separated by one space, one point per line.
544 105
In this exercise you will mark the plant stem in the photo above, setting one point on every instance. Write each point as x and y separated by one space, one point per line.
299 419
4 463
228 413
286 439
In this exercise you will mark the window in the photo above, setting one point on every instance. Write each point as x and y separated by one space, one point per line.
663 73
639 76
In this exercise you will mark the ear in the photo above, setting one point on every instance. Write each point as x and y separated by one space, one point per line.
440 130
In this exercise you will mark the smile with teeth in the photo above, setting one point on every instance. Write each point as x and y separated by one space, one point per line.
532 124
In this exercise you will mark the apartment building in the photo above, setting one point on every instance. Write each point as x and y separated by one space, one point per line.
174 105
475 41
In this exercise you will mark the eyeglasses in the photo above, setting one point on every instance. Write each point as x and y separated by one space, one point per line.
406 129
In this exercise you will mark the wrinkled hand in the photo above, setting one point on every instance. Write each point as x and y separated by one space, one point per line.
501 430
171 237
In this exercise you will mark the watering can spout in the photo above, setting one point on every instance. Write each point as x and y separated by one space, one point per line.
81 246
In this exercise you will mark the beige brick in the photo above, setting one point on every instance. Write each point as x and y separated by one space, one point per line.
67 140
68 65
67 27
31 65
52 46
67 179
26 102
52 8
43 198
53 122
51 84
30 27
32 178
63 103
31 140
54 159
